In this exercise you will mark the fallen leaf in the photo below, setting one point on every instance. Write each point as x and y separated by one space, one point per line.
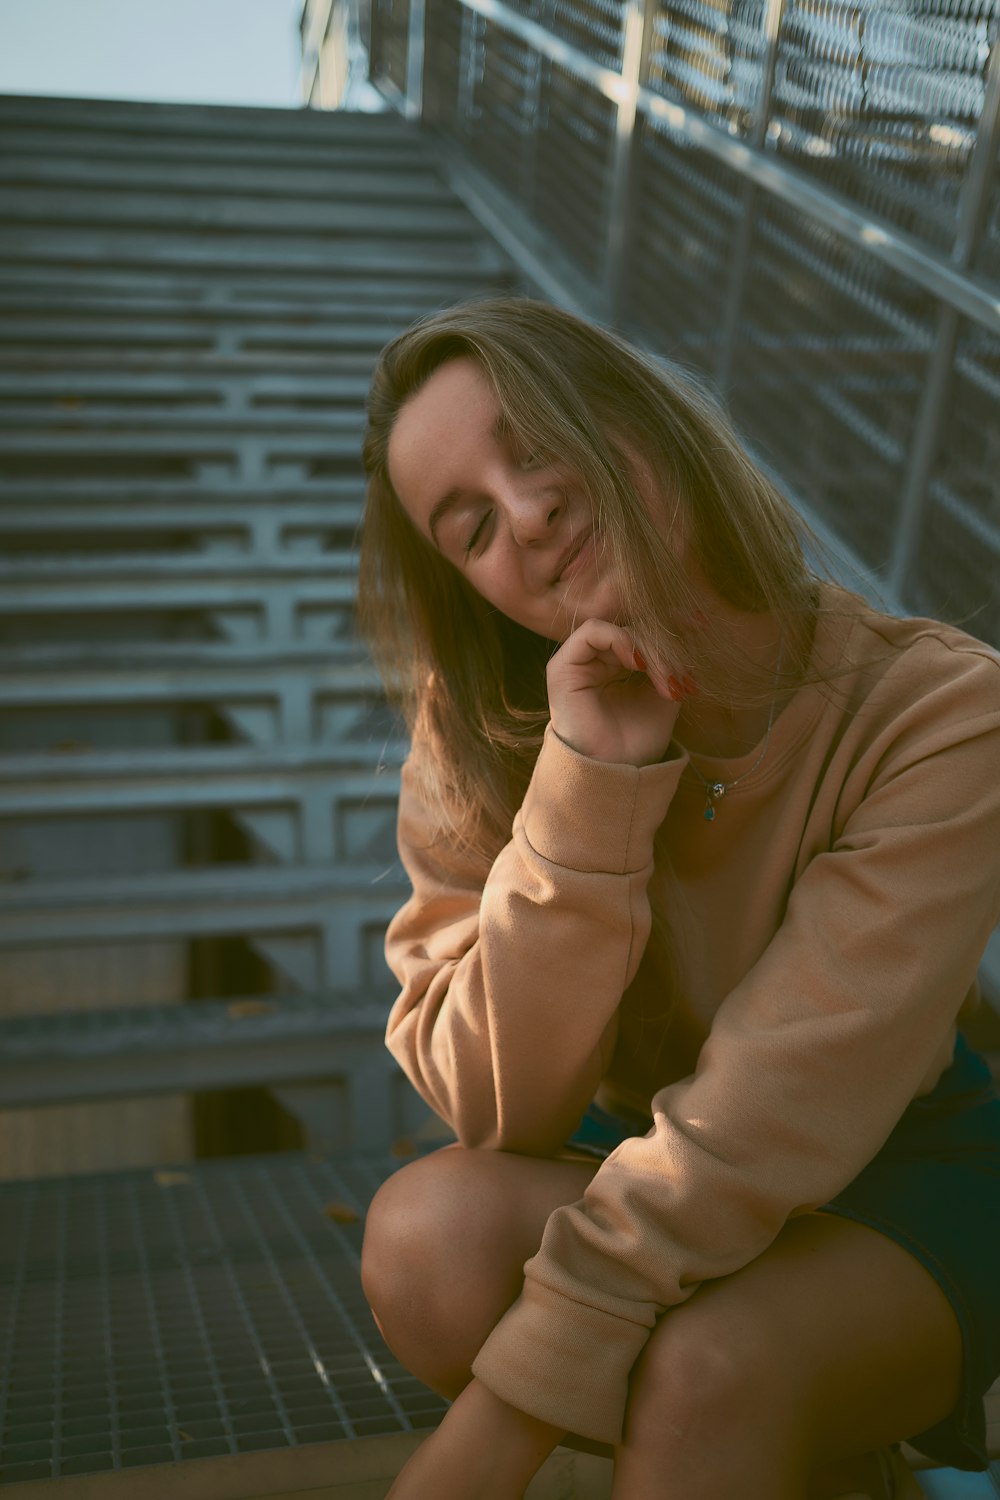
238 1009
171 1179
341 1213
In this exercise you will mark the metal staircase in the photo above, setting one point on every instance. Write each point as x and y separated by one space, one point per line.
198 779
198 774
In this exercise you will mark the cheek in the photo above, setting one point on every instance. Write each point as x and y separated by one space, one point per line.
494 587
502 594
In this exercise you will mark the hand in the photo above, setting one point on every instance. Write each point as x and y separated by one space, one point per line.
605 703
483 1450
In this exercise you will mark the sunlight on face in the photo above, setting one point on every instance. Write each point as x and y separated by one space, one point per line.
517 525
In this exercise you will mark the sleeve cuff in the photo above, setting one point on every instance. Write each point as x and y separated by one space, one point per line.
563 1362
592 815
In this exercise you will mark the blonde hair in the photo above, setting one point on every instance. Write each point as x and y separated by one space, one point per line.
469 682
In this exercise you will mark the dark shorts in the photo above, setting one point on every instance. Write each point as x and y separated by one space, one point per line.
934 1188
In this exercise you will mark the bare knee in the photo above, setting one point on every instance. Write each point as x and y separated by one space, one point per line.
433 1267
411 1222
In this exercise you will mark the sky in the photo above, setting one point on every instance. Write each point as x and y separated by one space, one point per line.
193 51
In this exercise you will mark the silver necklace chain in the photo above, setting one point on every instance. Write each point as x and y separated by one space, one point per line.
716 790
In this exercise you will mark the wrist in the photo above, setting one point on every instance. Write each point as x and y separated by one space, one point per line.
608 760
523 1442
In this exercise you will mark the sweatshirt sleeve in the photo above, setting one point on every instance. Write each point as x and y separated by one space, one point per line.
512 976
810 1062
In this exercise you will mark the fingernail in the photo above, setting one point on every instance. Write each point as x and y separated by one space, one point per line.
640 663
674 689
689 685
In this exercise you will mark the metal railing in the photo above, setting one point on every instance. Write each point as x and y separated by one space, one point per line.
799 198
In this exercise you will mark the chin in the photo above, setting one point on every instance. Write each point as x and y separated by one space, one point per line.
605 604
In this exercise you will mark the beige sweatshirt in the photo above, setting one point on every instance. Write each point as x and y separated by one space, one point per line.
828 928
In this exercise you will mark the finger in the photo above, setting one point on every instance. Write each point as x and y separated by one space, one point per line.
599 638
612 645
667 684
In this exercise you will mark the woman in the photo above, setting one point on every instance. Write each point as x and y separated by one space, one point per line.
705 854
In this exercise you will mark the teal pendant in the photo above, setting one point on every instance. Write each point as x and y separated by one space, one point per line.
716 792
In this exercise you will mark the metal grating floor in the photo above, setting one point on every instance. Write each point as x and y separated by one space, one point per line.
156 1316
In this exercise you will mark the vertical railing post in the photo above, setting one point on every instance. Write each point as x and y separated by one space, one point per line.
635 56
744 229
415 43
469 45
533 108
973 209
463 87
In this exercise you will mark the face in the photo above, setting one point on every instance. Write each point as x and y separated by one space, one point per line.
516 524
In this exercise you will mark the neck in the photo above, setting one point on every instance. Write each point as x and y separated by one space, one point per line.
708 728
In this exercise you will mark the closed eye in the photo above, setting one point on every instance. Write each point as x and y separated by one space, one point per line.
474 538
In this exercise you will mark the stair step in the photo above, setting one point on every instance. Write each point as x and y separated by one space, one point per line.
79 1056
128 779
195 679
225 898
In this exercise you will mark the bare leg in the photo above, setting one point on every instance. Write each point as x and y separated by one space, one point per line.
833 1342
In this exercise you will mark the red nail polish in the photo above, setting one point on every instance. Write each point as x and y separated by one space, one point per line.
689 685
640 663
674 689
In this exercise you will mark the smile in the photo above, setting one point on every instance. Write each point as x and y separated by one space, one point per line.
578 559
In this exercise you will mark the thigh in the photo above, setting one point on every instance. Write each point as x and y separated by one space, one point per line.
835 1329
850 1337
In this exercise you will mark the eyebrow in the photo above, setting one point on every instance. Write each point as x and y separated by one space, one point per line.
455 497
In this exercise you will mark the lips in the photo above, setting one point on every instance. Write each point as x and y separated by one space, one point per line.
570 554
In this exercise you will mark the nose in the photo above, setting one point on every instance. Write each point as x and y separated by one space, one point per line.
533 515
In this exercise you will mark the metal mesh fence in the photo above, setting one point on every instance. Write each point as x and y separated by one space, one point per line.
575 132
710 57
595 26
963 502
444 65
501 124
881 103
390 21
828 371
685 212
798 198
987 257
